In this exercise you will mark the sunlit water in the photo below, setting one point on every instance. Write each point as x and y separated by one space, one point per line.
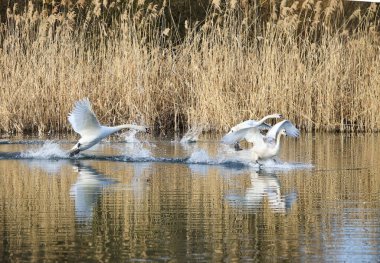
157 200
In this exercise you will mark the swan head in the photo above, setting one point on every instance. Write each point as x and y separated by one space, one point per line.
277 116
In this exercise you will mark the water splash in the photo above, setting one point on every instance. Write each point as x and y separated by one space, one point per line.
240 159
134 148
200 157
130 136
49 150
192 135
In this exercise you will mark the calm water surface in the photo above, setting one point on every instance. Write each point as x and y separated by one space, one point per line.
127 202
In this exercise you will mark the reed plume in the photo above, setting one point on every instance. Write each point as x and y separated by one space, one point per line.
315 62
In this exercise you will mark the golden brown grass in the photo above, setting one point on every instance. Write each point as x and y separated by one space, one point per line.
306 60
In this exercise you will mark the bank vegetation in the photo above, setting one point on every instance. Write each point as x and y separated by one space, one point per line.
316 62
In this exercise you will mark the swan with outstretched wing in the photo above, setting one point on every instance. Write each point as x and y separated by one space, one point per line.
264 146
267 146
84 121
242 130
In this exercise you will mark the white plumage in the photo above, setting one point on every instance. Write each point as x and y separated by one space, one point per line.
84 121
242 130
264 146
267 146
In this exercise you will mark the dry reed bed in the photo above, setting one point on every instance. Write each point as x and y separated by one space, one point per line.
324 77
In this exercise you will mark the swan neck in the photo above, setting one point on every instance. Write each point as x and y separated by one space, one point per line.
122 126
129 126
265 118
113 129
278 140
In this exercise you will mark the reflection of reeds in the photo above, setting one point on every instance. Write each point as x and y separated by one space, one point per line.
186 209
305 60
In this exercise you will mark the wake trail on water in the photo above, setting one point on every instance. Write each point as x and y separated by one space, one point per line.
202 157
134 150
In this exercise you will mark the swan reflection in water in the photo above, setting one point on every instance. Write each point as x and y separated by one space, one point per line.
87 190
264 186
90 184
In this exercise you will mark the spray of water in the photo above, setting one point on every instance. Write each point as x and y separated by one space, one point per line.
49 150
232 158
134 148
192 135
200 157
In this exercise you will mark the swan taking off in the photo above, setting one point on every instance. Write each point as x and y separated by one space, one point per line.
264 146
242 130
84 122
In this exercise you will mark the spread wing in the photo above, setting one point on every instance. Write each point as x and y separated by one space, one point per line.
250 124
248 130
83 119
289 128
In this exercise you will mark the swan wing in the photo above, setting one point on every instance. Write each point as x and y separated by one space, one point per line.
250 133
83 119
250 124
254 136
289 128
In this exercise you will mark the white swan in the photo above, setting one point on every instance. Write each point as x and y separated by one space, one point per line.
267 146
241 131
84 122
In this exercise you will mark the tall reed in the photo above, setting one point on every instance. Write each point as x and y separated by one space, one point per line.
309 61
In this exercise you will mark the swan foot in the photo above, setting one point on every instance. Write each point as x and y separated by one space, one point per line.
237 147
74 152
260 164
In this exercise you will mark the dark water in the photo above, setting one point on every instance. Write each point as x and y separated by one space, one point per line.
132 202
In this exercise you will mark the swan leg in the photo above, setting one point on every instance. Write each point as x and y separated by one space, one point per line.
237 147
74 152
260 164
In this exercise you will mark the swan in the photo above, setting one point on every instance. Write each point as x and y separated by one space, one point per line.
267 146
84 121
234 136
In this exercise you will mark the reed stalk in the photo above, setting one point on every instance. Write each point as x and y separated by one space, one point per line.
311 61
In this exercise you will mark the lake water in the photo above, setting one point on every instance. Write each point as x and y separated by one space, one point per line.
163 201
